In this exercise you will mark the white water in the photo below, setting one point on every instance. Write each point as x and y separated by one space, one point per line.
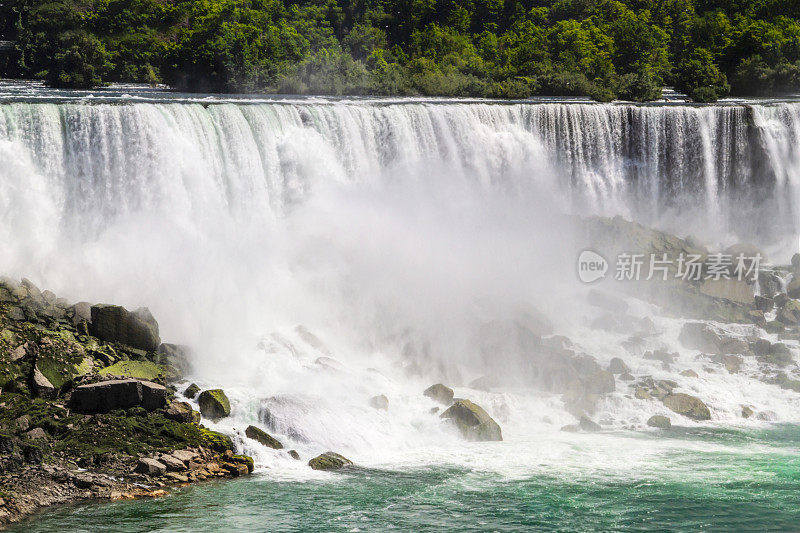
393 232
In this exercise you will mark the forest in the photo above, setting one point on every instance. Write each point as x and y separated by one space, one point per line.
603 49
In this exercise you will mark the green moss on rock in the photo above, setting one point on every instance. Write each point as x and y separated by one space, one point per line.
214 404
146 370
216 441
329 461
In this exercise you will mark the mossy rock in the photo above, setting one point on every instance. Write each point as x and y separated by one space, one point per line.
474 423
329 461
139 370
216 441
191 391
687 405
245 460
62 360
252 432
214 404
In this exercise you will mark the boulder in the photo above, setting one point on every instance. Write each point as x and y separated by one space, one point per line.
380 402
80 312
180 412
440 393
258 434
173 464
294 455
474 423
214 404
150 467
113 323
706 338
747 412
329 461
659 421
687 405
689 373
107 395
42 386
191 391
153 395
184 455
587 424
618 366
36 433
790 313
642 394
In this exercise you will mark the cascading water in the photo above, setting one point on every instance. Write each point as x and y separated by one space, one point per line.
392 230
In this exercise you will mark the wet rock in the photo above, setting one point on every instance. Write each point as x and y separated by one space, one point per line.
618 366
601 382
150 467
380 402
258 434
294 455
214 404
747 412
329 461
689 373
473 422
706 338
642 394
627 376
661 355
114 323
440 393
659 421
177 356
587 424
191 391
763 304
734 290
687 405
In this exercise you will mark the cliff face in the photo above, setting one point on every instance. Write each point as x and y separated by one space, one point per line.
87 410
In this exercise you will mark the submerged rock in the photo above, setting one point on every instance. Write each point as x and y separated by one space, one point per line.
258 434
474 423
329 461
440 393
114 323
191 391
380 402
214 404
687 405
659 421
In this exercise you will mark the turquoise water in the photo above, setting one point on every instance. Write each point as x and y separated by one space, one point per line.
748 480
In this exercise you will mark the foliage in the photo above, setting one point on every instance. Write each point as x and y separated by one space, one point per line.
606 49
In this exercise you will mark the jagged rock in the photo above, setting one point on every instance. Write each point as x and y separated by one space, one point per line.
180 412
191 391
214 404
687 405
329 461
618 366
258 434
107 395
42 386
763 303
173 464
380 402
114 323
659 421
150 467
474 423
440 393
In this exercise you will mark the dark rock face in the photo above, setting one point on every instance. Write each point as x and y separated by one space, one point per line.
252 432
474 423
117 394
214 404
329 461
440 393
191 391
113 323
